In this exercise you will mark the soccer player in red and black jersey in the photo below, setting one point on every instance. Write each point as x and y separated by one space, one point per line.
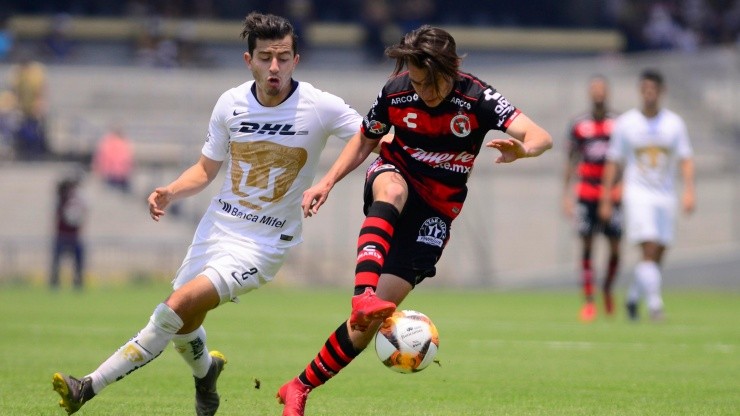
414 189
589 139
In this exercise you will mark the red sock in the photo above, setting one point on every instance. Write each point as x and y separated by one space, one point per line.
336 354
374 242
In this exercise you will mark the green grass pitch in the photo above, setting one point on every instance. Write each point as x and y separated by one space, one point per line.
501 353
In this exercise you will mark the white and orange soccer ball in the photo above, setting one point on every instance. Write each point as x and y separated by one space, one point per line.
407 341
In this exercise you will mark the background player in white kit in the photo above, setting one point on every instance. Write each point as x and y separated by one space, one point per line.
272 130
652 143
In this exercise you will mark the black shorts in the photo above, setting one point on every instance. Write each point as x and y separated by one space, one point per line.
419 238
588 221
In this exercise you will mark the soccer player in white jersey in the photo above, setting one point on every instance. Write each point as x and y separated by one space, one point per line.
652 143
272 131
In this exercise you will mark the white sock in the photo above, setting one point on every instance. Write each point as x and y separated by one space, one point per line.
634 292
139 350
649 275
192 348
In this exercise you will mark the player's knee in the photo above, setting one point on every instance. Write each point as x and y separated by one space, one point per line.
166 319
393 193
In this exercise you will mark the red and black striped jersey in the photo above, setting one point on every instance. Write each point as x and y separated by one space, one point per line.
435 148
589 141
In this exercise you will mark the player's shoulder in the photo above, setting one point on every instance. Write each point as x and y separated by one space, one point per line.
310 93
580 118
472 86
671 116
398 84
612 115
630 116
237 92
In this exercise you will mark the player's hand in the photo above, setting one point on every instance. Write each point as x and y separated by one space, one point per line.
511 149
313 198
158 201
605 211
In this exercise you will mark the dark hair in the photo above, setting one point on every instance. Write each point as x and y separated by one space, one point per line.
267 26
599 77
429 48
652 75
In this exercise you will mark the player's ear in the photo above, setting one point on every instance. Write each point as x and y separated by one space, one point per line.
248 59
296 59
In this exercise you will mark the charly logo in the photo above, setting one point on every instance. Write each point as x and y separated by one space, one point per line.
433 232
460 125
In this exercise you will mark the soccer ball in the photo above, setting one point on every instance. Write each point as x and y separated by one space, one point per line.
407 341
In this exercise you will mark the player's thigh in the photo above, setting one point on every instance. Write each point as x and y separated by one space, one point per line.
613 228
384 182
420 237
666 221
641 219
234 267
586 218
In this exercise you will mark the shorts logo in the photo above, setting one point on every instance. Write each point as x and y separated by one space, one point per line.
433 232
460 125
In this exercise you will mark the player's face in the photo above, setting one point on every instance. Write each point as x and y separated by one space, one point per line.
431 92
598 91
272 63
650 92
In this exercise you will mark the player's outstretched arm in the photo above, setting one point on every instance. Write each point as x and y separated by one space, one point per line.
354 153
528 140
193 180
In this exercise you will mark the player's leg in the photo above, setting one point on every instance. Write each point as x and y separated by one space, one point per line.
185 308
613 231
190 340
56 257
640 212
410 261
648 272
79 264
610 278
389 192
658 235
586 221
342 346
235 268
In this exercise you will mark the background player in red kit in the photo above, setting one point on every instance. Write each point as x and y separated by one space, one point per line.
589 140
414 189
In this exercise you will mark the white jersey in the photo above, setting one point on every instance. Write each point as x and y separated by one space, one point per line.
650 149
272 157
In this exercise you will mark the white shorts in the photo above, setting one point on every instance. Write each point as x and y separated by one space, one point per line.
649 217
233 265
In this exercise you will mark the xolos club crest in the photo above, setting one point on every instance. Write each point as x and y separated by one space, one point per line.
433 232
460 125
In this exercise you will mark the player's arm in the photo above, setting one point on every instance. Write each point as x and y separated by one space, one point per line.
687 175
608 180
385 139
353 154
193 180
528 140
